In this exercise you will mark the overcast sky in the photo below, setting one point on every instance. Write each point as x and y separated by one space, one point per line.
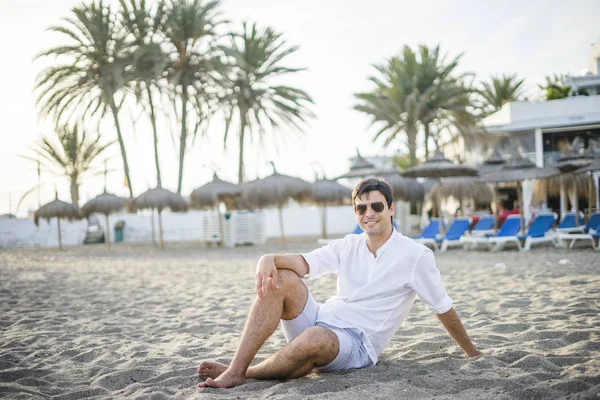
339 42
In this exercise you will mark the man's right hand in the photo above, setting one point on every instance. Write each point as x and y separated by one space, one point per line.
266 275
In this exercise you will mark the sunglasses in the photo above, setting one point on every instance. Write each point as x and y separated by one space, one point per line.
377 206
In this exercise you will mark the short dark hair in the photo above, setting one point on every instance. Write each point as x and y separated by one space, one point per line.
370 185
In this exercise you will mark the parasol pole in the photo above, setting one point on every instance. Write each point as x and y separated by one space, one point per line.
221 227
590 195
520 200
563 206
152 224
324 221
282 235
107 232
577 223
59 235
495 198
160 229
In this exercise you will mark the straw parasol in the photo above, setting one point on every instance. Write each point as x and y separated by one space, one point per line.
211 194
403 188
328 193
573 160
276 190
439 167
360 168
461 187
492 163
517 169
57 209
215 191
159 199
106 204
590 169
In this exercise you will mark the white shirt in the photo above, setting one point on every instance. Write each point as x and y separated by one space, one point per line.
375 294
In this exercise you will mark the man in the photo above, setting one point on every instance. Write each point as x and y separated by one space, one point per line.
379 274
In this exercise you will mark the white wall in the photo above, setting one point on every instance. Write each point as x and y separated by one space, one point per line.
177 227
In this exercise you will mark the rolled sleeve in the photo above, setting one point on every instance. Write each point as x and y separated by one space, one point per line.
323 260
426 281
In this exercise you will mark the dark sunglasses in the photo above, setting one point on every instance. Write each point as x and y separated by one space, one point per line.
377 206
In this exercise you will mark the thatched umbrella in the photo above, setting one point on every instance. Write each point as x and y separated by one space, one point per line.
106 204
360 168
276 190
159 199
462 186
492 163
328 193
572 161
439 167
403 188
518 169
57 209
211 194
215 191
590 169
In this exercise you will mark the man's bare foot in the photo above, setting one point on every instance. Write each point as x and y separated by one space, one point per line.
225 380
211 369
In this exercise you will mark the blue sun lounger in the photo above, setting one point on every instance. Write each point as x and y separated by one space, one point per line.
456 230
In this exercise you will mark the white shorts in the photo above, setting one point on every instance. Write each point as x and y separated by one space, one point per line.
352 353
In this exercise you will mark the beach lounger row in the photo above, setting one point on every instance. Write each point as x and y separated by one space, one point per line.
540 231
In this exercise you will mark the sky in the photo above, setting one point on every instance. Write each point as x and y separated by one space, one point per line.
339 43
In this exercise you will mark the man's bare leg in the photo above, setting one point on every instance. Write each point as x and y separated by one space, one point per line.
315 347
287 302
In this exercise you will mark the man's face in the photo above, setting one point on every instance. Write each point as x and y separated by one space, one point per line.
372 222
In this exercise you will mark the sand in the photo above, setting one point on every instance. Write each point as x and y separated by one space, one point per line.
135 322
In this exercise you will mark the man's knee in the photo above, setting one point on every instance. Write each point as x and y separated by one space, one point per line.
288 278
318 341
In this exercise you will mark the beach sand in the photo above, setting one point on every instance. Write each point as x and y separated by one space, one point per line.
135 322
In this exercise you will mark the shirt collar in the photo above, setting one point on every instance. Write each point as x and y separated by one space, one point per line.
387 244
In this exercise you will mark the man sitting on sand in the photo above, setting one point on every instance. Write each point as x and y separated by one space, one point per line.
379 274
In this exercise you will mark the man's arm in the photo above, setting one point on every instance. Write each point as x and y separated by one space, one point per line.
455 328
266 270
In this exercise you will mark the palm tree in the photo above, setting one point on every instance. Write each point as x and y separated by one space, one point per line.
251 95
500 90
414 90
190 34
74 155
144 24
93 70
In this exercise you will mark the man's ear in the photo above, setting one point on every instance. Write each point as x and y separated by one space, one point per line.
393 208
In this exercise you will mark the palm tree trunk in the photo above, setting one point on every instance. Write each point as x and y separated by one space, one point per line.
411 136
241 144
115 112
183 136
154 132
74 191
427 133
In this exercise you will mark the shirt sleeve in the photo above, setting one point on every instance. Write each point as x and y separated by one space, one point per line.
324 260
426 281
